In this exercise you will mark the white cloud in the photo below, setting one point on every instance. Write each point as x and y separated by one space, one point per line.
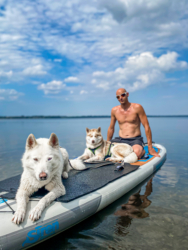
139 71
58 60
165 62
71 79
53 87
82 92
6 74
36 70
87 30
9 94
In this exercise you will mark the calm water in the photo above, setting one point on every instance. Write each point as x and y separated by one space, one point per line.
153 216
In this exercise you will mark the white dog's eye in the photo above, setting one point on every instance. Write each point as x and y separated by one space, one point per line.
49 159
35 159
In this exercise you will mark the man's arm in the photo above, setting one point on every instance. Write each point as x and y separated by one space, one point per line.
111 127
145 123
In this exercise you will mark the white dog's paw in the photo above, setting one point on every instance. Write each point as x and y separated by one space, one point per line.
65 175
88 160
35 213
18 217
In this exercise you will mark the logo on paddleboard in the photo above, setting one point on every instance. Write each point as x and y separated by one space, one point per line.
41 232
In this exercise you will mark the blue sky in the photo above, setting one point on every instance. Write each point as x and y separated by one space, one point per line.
70 57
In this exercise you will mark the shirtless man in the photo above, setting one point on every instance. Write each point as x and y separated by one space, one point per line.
129 116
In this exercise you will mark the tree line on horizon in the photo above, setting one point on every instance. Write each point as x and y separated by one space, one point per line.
68 117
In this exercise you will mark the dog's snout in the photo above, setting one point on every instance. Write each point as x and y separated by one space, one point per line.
43 176
93 141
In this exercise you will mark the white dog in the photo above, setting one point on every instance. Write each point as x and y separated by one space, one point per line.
97 149
43 162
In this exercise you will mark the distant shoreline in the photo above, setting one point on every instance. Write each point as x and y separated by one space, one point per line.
82 117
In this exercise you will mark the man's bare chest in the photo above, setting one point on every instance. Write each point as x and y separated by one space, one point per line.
127 117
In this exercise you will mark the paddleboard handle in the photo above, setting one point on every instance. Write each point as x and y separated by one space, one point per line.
120 167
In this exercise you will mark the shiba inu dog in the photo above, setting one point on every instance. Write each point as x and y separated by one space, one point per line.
98 149
43 162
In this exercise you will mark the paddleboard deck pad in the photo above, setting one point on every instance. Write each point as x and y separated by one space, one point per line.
87 192
78 184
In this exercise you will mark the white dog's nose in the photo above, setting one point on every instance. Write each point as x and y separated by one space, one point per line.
93 141
43 176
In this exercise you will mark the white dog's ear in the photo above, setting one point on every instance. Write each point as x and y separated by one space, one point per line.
99 129
53 141
87 130
31 142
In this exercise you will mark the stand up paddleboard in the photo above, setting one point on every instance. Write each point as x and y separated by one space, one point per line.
88 192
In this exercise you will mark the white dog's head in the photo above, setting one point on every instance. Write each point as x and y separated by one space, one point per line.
93 137
42 157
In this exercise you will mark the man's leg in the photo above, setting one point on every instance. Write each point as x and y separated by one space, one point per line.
139 150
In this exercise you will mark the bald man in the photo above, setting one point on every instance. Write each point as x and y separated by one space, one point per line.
130 116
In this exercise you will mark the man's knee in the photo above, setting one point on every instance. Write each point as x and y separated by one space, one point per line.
139 151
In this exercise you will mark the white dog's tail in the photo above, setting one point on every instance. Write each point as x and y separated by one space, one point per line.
77 164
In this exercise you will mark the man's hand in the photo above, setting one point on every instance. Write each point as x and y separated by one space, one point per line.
153 152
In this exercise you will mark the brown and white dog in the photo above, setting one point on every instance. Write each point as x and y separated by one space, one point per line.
97 149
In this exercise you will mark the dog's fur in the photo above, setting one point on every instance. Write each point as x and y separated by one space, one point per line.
43 162
120 151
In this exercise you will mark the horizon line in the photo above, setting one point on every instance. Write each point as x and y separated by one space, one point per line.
69 117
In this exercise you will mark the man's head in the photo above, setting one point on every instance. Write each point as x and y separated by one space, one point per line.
122 95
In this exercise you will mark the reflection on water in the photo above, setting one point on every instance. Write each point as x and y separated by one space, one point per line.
133 209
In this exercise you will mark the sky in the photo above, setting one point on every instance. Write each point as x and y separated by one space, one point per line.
69 57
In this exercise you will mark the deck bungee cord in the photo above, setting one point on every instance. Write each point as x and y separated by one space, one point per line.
7 206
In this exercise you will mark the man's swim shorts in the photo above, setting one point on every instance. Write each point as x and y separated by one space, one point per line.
131 141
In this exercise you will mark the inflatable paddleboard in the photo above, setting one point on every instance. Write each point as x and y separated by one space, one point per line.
87 193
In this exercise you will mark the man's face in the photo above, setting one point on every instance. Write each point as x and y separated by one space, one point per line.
121 96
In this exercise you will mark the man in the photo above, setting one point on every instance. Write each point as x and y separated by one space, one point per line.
129 116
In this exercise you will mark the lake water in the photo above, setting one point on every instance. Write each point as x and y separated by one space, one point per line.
158 219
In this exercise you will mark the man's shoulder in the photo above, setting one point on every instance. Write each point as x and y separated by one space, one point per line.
137 106
114 109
